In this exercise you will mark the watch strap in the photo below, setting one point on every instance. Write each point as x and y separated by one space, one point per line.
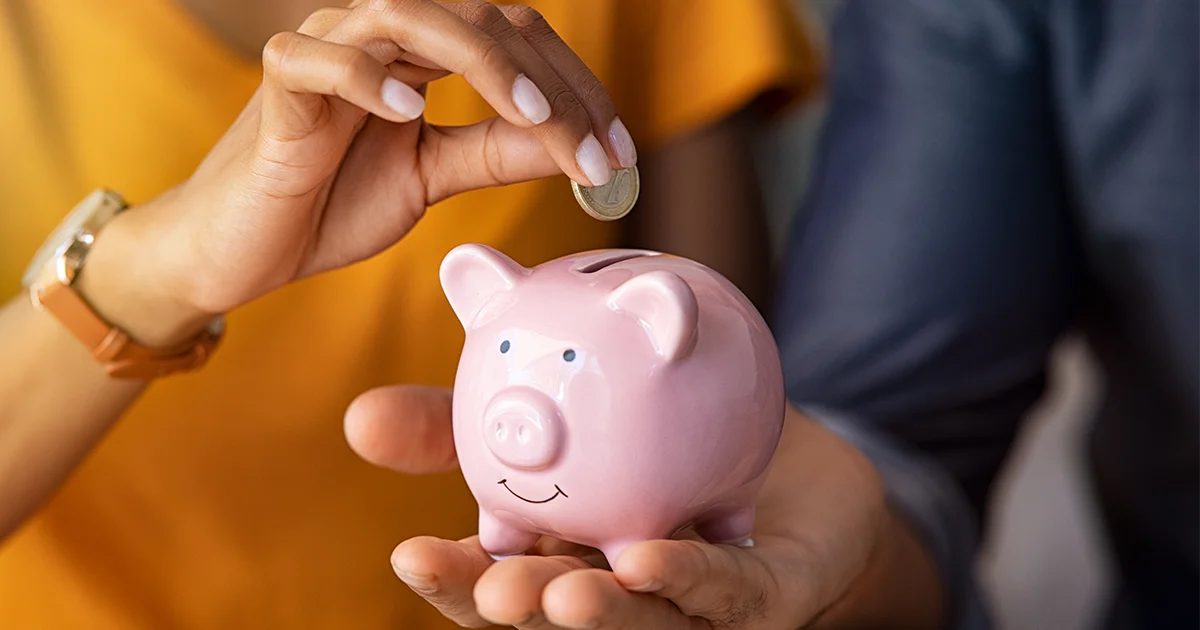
50 280
113 349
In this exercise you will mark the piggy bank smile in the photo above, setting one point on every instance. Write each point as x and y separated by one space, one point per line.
558 491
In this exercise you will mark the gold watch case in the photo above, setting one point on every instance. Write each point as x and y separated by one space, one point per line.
70 241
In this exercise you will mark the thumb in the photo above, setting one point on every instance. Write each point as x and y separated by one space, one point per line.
493 152
404 427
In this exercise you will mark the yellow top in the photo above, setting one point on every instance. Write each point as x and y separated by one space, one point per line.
229 498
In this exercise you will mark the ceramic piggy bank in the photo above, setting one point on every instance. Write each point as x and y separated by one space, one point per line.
610 397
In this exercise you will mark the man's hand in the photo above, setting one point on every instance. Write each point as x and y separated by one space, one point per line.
827 553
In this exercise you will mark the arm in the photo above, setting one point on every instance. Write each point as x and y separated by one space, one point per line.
56 403
931 270
700 199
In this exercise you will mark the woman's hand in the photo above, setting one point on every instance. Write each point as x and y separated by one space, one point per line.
828 553
331 162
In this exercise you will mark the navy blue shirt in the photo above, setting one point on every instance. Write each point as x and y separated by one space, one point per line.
993 175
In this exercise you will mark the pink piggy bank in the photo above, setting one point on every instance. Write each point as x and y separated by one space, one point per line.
610 397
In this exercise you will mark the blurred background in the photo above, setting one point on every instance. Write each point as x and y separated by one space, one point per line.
1042 507
1042 504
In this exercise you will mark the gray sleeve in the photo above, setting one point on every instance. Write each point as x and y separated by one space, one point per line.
932 266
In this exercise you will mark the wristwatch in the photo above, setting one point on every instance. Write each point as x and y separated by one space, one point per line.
50 278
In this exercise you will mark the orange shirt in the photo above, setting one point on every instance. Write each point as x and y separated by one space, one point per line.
229 498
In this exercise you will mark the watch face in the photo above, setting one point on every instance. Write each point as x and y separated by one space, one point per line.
101 205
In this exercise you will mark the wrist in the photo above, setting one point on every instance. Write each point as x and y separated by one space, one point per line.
899 587
132 279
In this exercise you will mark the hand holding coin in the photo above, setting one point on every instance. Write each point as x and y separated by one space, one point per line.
612 200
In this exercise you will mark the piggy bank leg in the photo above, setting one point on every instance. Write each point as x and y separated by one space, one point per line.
612 550
502 540
728 528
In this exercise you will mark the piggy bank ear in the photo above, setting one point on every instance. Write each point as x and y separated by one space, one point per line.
473 274
665 307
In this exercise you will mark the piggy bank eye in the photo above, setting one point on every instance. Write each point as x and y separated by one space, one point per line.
504 346
569 356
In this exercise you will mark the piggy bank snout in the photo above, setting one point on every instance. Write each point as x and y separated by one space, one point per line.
523 428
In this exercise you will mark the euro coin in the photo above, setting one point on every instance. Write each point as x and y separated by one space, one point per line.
612 200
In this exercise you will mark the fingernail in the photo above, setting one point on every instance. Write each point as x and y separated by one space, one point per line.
531 619
418 583
402 99
593 161
530 101
622 143
647 587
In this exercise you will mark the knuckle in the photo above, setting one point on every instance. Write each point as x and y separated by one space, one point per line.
493 157
592 90
493 57
524 16
354 65
740 610
383 5
276 50
566 105
737 608
485 15
702 562
323 15
320 21
430 153
535 29
392 10
490 19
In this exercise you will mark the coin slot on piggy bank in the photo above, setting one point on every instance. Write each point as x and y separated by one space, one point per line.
609 259
610 397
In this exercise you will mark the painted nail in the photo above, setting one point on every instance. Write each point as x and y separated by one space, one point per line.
593 161
530 101
622 143
402 99
647 587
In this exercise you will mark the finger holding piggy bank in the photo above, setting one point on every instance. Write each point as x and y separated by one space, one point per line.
610 397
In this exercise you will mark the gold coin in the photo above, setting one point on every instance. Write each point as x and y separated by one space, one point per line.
612 200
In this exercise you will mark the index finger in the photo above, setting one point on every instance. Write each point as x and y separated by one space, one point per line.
426 29
716 582
444 573
592 598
